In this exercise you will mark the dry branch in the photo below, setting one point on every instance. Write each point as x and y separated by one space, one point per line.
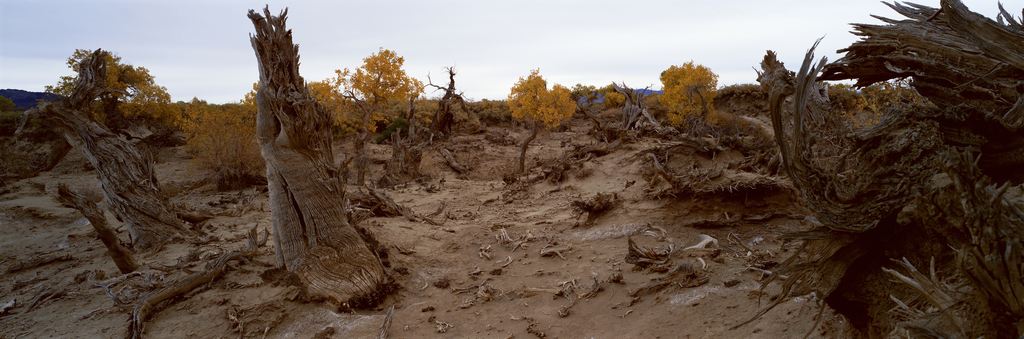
122 256
453 163
143 308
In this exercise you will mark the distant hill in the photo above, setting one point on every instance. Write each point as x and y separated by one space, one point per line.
24 100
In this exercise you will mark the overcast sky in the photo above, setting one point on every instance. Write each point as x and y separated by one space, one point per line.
201 48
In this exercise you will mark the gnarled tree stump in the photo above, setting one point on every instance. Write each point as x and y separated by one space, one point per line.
928 182
312 236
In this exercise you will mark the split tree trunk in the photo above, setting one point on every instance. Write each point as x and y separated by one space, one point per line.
312 236
126 175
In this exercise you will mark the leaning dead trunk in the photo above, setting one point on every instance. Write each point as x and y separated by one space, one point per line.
312 236
126 175
122 257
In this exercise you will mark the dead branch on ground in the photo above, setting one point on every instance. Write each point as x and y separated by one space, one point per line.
121 255
143 308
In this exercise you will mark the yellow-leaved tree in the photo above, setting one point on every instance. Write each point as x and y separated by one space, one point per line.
366 93
135 93
344 121
688 91
223 140
531 101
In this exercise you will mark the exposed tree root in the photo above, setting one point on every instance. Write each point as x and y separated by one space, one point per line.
143 308
36 262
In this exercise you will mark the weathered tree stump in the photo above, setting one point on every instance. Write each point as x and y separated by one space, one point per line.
312 236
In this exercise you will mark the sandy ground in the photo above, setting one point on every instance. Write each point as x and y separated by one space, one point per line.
458 279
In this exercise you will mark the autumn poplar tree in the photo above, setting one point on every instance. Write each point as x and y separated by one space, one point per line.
532 102
688 90
367 92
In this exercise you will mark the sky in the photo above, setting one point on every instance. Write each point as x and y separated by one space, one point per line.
201 48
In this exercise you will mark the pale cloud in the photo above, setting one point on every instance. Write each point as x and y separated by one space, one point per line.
201 48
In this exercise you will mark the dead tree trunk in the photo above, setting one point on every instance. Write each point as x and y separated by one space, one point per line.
444 117
913 188
634 108
410 116
312 236
129 184
404 164
122 256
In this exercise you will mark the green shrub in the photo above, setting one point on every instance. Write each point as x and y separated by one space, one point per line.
492 112
9 123
399 124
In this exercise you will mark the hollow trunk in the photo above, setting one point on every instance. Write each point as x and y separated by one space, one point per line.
312 236
126 175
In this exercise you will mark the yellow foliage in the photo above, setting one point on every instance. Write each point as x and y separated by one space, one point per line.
137 95
368 91
614 100
687 89
530 99
223 138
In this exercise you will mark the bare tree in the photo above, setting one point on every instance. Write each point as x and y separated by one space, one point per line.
444 117
129 184
312 236
634 108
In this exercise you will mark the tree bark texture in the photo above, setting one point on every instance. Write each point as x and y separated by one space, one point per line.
312 236
924 180
126 175
965 64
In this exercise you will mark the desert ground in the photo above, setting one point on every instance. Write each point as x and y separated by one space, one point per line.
503 259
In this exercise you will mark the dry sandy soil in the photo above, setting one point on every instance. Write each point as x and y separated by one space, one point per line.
458 279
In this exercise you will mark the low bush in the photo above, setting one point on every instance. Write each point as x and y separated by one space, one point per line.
399 125
492 112
223 140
